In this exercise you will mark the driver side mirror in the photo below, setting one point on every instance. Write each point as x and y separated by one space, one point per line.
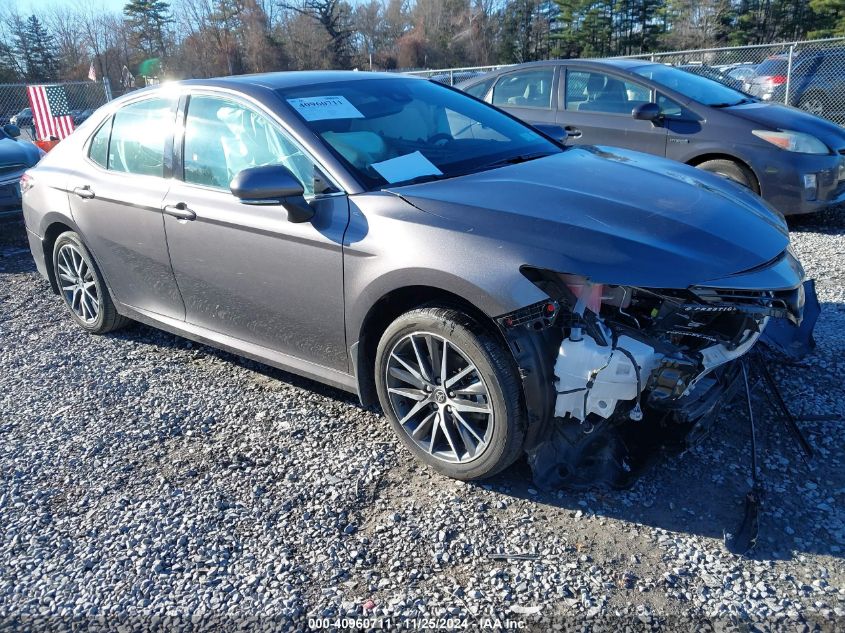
272 185
12 130
647 112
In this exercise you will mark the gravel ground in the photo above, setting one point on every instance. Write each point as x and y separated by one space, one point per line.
149 481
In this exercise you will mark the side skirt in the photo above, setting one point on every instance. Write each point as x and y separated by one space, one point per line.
265 355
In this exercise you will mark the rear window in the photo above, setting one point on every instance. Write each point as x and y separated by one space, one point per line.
772 66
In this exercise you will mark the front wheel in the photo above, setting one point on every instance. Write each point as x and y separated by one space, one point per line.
82 287
451 392
740 174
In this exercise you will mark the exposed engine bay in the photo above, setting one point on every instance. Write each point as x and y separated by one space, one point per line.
635 372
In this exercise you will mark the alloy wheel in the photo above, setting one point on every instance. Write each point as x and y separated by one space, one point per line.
439 397
76 280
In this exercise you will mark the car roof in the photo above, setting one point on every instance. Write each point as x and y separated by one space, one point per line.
619 64
290 79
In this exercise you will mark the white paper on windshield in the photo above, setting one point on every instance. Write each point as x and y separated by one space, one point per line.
329 107
406 167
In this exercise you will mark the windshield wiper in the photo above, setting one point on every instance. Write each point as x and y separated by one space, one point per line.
513 160
416 180
729 105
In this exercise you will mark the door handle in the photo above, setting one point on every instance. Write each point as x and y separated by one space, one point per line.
180 211
572 132
84 192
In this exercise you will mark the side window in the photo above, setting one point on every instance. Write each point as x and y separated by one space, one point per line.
669 108
526 88
223 137
138 137
480 89
98 151
589 91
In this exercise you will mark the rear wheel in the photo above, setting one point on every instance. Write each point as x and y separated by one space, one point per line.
732 171
451 392
82 287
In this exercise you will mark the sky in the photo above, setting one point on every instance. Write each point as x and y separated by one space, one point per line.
34 6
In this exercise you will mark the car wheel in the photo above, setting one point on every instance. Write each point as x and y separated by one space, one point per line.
812 103
740 174
451 392
82 287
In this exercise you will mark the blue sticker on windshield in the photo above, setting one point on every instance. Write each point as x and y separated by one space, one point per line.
322 108
406 167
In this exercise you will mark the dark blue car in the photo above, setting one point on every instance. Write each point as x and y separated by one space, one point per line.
16 156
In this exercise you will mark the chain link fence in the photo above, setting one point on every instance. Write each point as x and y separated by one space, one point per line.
454 76
809 75
83 98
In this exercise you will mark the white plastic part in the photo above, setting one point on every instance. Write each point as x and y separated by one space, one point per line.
716 355
611 372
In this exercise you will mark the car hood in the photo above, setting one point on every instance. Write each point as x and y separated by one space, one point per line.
780 117
13 152
615 216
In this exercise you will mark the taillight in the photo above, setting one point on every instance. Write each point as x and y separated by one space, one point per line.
27 182
777 80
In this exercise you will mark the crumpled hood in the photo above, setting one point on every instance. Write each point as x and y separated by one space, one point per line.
779 117
13 152
615 216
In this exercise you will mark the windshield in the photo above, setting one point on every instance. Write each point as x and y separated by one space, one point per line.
693 86
390 131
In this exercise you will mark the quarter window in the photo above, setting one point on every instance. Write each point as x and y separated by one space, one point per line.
527 89
138 137
588 91
223 137
98 151
480 89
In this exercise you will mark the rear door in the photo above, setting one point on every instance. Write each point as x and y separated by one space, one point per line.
595 109
244 270
115 196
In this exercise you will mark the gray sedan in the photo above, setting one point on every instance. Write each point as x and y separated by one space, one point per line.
794 160
398 239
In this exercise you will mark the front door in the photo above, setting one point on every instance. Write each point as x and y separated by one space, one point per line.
596 110
115 196
529 94
244 270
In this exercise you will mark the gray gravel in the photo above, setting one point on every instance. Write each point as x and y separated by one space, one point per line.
148 481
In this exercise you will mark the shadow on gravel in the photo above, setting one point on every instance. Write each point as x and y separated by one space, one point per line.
14 248
829 222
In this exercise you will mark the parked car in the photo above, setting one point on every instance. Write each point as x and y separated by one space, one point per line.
22 118
792 159
713 73
398 239
817 82
743 72
16 156
80 116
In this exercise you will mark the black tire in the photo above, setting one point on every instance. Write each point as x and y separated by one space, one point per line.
107 318
497 371
731 170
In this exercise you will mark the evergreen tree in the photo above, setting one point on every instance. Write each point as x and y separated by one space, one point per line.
148 20
35 49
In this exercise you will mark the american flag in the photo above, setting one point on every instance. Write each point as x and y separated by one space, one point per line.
50 111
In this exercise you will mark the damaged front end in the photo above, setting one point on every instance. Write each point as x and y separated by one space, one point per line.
616 376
